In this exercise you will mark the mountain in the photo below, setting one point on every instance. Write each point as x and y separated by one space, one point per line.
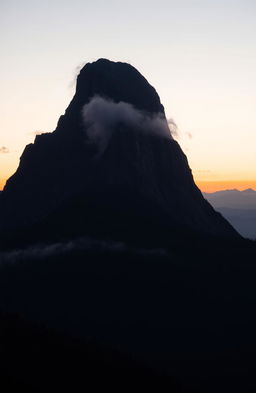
96 297
110 168
236 199
238 207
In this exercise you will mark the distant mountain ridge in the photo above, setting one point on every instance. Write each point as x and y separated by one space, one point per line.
238 207
245 199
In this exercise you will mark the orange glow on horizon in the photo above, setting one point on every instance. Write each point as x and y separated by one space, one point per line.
205 186
212 186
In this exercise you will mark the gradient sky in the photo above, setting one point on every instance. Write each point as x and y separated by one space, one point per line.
200 55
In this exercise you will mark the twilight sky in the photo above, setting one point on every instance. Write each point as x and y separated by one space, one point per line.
200 55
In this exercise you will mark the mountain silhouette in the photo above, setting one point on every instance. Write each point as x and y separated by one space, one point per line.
96 294
238 207
110 168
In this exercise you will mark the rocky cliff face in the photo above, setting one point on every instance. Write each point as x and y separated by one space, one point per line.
138 180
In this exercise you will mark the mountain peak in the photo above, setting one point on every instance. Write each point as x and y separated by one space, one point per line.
113 81
119 82
110 168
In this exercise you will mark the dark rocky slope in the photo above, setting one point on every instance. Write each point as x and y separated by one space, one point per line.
141 183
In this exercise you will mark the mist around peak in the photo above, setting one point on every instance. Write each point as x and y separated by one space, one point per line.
102 115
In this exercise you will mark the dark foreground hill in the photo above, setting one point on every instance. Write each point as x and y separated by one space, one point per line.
186 314
37 359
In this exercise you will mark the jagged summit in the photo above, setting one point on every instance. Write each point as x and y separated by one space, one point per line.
108 168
